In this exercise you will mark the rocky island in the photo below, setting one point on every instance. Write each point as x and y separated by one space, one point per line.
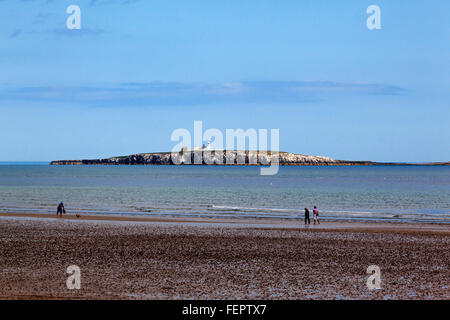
222 157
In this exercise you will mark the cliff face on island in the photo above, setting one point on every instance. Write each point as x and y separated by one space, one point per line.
211 157
223 158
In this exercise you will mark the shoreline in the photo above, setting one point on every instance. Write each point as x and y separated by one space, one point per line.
254 223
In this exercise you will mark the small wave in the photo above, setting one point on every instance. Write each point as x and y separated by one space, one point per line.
252 209
217 211
331 214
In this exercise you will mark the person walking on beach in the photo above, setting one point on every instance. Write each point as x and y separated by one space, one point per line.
307 221
316 215
60 209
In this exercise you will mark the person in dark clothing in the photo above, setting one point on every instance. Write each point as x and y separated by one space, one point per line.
60 209
307 216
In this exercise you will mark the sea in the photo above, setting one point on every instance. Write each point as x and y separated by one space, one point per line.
418 194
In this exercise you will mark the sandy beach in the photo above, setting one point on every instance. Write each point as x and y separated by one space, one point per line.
164 258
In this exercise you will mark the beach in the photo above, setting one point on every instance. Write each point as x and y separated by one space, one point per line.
133 257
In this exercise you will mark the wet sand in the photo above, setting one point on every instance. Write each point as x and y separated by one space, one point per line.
165 258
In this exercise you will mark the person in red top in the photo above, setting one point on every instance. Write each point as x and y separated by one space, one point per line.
316 215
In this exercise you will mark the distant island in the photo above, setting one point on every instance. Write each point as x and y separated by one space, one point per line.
220 158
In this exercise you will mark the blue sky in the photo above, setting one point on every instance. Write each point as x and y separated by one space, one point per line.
137 70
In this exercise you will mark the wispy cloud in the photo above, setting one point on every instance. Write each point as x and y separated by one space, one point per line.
177 93
42 18
59 32
76 32
15 33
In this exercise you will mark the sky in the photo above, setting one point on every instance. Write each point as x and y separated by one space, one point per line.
137 70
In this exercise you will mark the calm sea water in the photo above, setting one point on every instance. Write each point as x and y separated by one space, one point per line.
420 194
